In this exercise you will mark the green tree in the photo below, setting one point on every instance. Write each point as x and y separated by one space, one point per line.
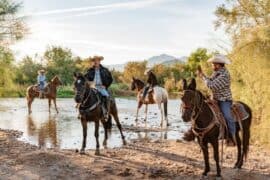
61 63
6 68
26 72
134 69
248 24
11 27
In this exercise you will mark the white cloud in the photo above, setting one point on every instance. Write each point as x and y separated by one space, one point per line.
108 7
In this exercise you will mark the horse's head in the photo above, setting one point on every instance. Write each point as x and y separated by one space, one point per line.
80 85
136 84
56 81
189 100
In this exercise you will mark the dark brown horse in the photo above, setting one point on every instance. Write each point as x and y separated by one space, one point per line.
50 92
91 111
196 110
158 96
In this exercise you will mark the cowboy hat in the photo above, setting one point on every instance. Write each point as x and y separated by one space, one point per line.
41 71
219 59
96 58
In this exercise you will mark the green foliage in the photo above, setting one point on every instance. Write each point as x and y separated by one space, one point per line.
247 22
60 62
134 69
11 27
65 92
6 68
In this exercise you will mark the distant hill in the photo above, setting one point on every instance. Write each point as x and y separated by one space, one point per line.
161 59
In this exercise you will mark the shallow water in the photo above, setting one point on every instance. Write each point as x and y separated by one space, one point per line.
64 130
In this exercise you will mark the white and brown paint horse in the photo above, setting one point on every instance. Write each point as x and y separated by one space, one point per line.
157 95
50 92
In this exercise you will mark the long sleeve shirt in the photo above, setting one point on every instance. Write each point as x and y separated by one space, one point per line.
220 85
41 78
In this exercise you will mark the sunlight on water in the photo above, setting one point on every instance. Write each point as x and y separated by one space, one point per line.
64 130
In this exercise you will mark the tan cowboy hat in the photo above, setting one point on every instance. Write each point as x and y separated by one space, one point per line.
219 59
41 71
96 58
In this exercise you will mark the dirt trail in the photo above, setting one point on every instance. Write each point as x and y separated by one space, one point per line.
138 160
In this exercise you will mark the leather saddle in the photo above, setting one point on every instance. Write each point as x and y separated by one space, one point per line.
238 110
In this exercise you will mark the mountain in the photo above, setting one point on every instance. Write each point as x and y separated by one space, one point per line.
164 59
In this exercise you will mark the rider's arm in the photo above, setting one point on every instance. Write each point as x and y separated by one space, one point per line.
218 82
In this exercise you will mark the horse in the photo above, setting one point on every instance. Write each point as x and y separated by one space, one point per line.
50 93
158 96
90 107
195 109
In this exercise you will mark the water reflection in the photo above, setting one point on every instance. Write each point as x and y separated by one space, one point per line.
46 133
64 130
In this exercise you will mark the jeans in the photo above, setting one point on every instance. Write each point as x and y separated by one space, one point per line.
225 107
103 91
146 89
41 85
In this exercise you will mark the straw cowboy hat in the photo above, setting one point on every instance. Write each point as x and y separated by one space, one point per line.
41 71
219 59
96 58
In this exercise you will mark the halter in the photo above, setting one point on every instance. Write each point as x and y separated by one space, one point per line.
197 105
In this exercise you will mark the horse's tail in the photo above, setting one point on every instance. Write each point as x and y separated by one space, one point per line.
246 131
165 103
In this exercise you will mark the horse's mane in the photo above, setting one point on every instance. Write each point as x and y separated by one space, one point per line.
140 82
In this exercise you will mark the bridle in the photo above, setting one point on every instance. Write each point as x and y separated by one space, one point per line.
198 103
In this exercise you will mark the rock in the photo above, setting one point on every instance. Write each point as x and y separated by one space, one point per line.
125 173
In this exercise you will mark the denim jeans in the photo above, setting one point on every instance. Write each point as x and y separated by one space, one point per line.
225 107
103 91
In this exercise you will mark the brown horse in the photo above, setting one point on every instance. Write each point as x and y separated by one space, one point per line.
90 107
50 93
196 110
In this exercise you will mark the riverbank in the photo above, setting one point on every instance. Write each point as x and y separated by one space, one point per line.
138 160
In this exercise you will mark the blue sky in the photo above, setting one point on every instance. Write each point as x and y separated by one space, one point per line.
120 30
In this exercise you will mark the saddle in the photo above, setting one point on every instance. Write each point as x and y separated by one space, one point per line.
238 111
149 98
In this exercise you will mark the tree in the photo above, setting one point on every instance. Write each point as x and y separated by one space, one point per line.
26 72
6 68
60 62
134 69
11 27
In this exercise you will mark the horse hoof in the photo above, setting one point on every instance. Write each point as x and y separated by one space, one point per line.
203 177
97 153
168 124
136 120
218 178
124 142
82 152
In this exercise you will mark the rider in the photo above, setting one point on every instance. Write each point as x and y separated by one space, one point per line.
41 79
220 85
102 78
151 82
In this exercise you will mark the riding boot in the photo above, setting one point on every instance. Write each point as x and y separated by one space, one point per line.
189 135
40 94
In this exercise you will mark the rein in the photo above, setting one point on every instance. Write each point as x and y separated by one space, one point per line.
89 108
198 104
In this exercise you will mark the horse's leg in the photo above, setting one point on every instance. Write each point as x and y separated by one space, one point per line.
54 101
161 114
216 157
50 103
137 112
97 136
105 134
145 112
84 126
117 121
204 148
239 149
29 104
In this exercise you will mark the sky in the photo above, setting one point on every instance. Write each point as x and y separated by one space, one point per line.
120 30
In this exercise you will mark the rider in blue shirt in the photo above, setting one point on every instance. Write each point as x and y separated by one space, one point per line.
41 79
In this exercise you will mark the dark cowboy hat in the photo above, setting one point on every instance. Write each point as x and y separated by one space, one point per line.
41 71
96 58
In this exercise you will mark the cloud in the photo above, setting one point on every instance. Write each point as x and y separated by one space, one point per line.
98 9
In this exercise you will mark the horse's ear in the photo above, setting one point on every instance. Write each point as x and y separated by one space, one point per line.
75 75
184 84
192 85
133 78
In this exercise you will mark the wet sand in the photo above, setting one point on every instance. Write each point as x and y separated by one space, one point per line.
144 159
